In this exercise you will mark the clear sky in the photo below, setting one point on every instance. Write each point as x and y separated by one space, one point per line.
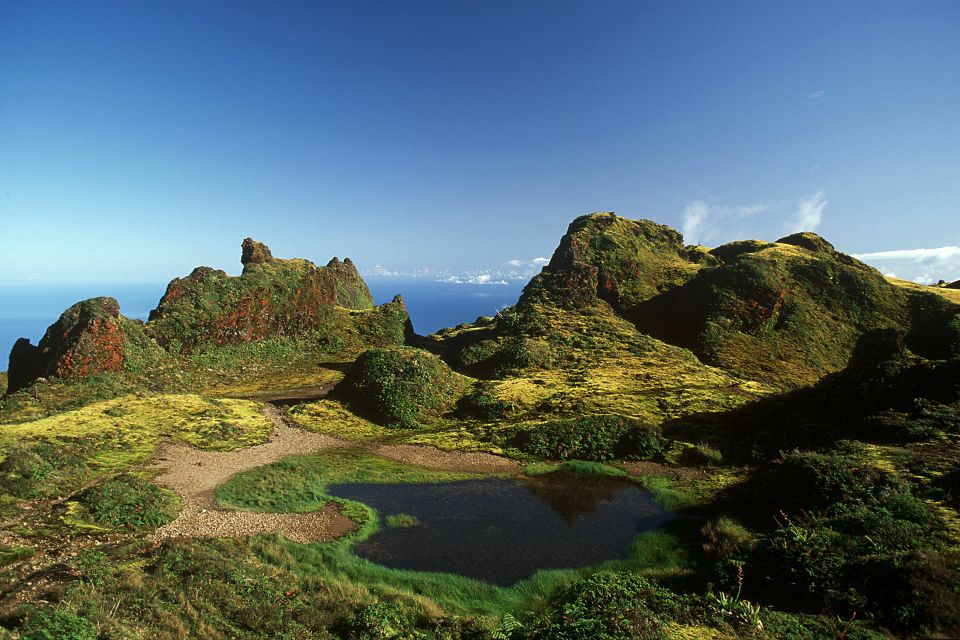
139 139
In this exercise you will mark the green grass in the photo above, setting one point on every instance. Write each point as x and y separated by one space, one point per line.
401 521
10 553
574 466
299 483
654 554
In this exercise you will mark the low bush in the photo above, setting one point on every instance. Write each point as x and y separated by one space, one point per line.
597 438
403 388
610 606
483 404
57 624
129 502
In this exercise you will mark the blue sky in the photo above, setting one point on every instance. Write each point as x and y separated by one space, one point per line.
458 139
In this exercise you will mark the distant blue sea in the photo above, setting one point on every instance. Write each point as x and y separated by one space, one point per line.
27 310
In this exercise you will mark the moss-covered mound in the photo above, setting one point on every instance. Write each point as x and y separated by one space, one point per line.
622 261
272 297
402 387
89 338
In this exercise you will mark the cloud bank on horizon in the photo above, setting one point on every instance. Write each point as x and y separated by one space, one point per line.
513 270
925 266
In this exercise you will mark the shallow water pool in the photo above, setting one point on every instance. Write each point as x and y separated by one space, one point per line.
504 530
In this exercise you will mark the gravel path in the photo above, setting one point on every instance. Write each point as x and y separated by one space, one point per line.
195 475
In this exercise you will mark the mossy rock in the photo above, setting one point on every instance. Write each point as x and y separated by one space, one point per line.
401 387
620 260
271 297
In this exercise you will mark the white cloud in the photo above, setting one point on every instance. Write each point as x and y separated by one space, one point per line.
475 278
694 215
714 223
919 265
816 95
809 214
381 271
918 255
536 262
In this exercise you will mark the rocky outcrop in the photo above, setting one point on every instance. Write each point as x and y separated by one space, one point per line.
271 297
254 253
618 260
88 338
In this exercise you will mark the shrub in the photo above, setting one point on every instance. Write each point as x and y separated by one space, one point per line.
482 403
597 438
130 502
403 388
609 606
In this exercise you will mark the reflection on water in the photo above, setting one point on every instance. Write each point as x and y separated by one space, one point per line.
503 531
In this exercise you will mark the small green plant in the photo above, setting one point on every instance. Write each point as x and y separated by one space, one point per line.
57 624
402 521
742 612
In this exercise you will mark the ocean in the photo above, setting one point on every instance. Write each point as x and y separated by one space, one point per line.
27 310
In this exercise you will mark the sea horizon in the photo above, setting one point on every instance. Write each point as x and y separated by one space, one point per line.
26 310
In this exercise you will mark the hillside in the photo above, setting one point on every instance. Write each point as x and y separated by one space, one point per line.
784 313
792 414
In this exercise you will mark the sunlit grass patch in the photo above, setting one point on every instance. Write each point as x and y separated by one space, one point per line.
299 483
50 456
331 417
275 383
140 422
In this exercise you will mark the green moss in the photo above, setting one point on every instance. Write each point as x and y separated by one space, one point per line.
56 453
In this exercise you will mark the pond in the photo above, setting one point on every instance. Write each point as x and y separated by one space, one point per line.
504 530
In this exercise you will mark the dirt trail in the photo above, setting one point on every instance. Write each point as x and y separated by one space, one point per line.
195 475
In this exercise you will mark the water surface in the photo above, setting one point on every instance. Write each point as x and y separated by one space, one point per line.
502 531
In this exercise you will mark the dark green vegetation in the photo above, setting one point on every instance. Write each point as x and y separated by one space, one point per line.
401 387
799 409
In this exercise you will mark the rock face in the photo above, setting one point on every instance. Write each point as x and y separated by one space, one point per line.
621 261
254 253
271 297
88 338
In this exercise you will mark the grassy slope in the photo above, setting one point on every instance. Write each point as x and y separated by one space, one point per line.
588 360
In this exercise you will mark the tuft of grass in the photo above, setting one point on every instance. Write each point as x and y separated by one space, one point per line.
10 553
574 466
401 521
